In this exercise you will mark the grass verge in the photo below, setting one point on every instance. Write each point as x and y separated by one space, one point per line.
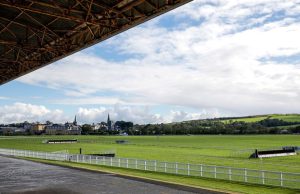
205 183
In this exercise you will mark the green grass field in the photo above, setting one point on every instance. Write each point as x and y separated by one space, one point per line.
209 149
284 117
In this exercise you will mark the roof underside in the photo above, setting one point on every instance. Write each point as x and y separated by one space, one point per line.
36 33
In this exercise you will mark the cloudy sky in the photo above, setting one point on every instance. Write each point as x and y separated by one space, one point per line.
209 58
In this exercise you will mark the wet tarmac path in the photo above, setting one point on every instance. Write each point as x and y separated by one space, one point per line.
21 176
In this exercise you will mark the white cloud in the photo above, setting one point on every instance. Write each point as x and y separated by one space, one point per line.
223 63
139 115
177 116
20 112
118 112
3 98
234 11
88 101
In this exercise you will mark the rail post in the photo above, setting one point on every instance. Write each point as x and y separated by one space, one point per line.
127 163
215 172
246 178
145 165
136 164
201 170
165 167
176 168
230 174
263 177
281 179
188 169
155 165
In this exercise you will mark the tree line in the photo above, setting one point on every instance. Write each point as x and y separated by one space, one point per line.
197 127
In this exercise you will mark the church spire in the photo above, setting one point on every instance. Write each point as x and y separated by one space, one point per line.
108 122
75 121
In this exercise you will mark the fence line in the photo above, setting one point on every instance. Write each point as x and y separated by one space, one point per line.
264 177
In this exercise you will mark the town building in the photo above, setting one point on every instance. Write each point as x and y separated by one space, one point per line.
7 130
63 129
38 127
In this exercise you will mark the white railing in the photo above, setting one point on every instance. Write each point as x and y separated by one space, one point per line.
281 179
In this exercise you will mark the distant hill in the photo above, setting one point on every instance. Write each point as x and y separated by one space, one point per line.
257 118
257 124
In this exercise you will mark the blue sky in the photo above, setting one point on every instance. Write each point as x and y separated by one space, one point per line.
209 58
